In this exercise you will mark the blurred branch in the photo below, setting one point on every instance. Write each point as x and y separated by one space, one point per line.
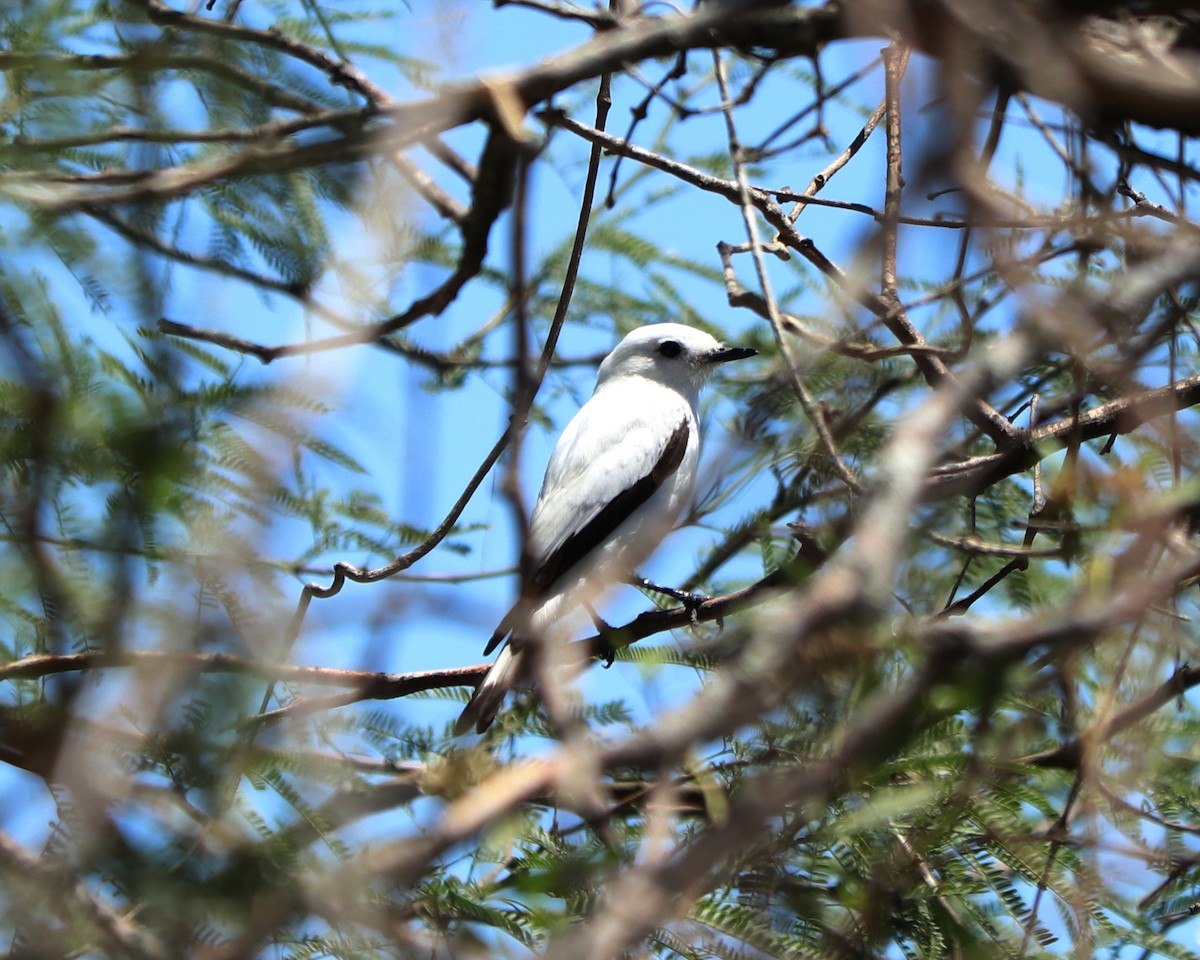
644 895
1120 416
595 18
273 130
1087 79
149 60
895 63
120 931
814 416
339 72
1070 755
385 685
491 195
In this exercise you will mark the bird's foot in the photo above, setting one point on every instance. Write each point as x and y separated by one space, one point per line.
691 602
607 647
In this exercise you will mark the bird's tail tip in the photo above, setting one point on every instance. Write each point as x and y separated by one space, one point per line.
485 702
479 713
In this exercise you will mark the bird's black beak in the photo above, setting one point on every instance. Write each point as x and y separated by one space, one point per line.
725 354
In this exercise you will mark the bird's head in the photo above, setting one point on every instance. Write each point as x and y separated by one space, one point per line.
672 354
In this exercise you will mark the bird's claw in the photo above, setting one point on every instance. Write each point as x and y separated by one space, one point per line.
607 650
692 602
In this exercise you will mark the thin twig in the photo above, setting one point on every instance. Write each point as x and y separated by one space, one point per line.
748 220
895 61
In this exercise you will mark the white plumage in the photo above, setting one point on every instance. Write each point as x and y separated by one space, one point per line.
620 475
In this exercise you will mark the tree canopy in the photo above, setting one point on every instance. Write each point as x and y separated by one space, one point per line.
296 294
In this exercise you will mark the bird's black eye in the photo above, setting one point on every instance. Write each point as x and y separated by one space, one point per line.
670 348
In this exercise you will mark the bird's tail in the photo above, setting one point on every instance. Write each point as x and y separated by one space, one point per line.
481 709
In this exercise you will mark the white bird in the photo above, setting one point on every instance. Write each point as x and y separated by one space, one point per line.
619 477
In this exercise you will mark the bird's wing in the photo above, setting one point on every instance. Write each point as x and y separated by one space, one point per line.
608 462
